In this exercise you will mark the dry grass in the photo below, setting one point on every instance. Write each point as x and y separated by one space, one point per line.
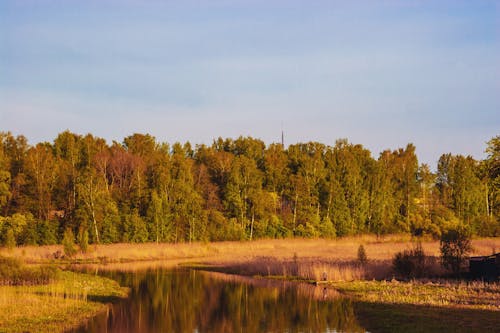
475 295
338 257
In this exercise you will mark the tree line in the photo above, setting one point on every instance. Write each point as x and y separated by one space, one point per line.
142 190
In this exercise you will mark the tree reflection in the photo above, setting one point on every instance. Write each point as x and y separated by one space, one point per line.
194 301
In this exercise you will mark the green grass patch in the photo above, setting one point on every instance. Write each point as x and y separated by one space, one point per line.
395 318
62 304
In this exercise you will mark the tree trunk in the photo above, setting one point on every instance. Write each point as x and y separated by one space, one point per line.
251 224
295 211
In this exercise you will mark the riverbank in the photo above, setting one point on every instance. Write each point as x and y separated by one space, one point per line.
67 302
74 297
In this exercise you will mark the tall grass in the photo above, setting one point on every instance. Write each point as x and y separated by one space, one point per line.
298 268
13 272
57 306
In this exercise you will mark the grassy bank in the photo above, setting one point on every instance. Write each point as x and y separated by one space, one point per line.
66 302
473 295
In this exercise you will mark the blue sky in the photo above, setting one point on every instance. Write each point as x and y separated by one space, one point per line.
379 73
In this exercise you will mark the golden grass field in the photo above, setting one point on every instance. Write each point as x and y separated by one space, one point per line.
309 259
382 248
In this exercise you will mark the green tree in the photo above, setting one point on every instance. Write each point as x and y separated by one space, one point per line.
184 202
492 163
14 154
362 257
243 192
455 244
5 179
405 177
68 157
307 168
460 187
353 161
41 172
383 205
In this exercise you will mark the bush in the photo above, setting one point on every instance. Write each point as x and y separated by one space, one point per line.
83 240
455 245
10 239
69 243
411 263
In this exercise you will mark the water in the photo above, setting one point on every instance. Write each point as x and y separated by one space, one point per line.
166 300
196 301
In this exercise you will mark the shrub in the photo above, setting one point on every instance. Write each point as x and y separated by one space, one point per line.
411 263
10 239
83 240
455 245
69 243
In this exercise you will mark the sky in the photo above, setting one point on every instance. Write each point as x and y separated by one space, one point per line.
379 73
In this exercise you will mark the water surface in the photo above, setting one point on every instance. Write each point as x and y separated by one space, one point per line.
173 300
195 301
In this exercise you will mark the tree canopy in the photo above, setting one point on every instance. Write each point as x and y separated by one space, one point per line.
142 190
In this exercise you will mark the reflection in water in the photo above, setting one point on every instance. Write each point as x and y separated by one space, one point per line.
194 301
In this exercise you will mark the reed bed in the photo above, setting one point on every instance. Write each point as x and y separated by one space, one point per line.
308 269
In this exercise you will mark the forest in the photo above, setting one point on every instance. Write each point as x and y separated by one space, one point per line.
141 190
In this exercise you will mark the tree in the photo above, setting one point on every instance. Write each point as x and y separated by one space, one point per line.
362 258
461 189
455 244
353 161
41 172
383 205
405 174
243 191
5 178
14 150
67 150
184 202
307 168
493 170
